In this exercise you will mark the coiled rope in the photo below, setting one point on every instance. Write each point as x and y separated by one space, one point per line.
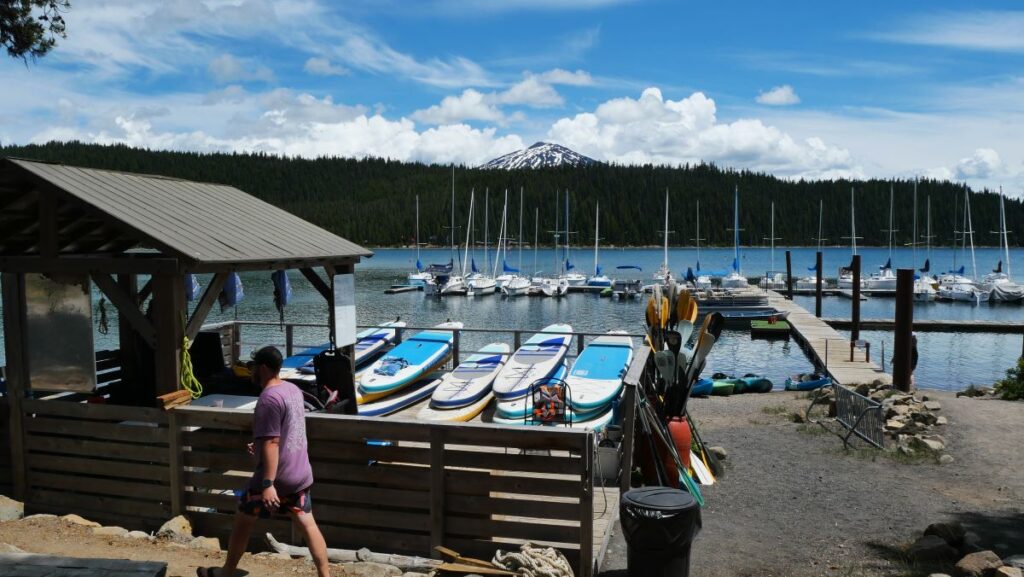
533 561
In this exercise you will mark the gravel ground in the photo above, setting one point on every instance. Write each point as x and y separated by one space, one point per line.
794 503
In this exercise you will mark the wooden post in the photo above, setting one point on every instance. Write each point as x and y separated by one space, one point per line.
789 275
437 489
628 423
17 373
579 344
169 320
174 463
855 305
587 508
236 343
289 340
902 370
517 340
456 347
817 285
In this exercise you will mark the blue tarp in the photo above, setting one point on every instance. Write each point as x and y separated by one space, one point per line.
506 268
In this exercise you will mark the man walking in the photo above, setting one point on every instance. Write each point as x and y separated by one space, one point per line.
283 476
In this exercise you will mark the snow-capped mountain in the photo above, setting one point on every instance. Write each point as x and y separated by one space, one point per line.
542 154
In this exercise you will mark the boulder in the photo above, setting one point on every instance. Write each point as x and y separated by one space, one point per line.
926 419
178 529
11 510
138 535
205 543
931 549
719 452
980 564
894 425
921 444
952 533
941 421
1009 572
946 459
863 389
933 405
897 410
77 520
1014 561
366 569
40 517
110 531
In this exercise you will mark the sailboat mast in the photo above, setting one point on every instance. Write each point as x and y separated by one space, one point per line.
451 236
698 236
519 239
499 255
928 235
892 233
597 224
536 230
913 242
821 214
566 251
970 228
1006 239
469 229
736 229
665 254
487 232
417 233
853 223
558 267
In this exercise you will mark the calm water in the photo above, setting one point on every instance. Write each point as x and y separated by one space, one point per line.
947 361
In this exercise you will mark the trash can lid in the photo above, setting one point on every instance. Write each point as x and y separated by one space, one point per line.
665 499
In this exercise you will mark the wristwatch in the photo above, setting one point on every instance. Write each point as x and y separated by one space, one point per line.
268 483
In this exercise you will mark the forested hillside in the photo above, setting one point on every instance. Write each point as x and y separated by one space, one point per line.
372 201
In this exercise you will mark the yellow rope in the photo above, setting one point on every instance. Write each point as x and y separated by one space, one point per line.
189 381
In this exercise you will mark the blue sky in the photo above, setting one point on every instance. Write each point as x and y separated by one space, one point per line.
798 89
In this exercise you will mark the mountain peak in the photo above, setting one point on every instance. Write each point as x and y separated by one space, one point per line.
540 155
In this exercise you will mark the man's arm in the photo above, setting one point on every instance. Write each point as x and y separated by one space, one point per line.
270 452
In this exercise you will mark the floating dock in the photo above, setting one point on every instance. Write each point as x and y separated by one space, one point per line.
934 326
827 348
402 288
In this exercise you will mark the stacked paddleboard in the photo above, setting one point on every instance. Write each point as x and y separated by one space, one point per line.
463 393
538 358
401 378
370 344
595 380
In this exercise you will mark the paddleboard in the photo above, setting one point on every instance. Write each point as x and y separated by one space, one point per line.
398 401
472 379
596 376
464 413
374 340
595 423
538 358
703 474
518 408
408 361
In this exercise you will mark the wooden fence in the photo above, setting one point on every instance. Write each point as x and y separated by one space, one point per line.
6 487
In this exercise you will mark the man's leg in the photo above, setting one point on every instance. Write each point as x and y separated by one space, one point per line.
314 540
238 543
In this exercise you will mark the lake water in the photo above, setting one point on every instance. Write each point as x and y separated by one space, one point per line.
948 361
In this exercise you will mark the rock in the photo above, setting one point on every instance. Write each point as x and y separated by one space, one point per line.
11 510
719 452
8 548
798 417
931 548
1014 561
205 543
920 444
77 520
897 410
411 574
366 569
941 421
979 564
894 425
902 399
926 419
946 459
1009 572
40 517
177 528
138 535
939 575
933 405
952 533
863 389
110 531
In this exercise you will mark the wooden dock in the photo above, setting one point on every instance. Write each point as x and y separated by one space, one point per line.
934 326
827 348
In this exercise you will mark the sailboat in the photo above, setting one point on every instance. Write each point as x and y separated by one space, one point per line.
421 276
599 279
552 286
734 279
777 280
923 290
664 275
517 284
885 279
955 287
697 278
480 283
456 285
1000 284
441 274
572 277
846 275
810 282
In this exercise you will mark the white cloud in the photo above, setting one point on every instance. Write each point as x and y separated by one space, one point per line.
652 129
373 55
984 163
227 68
470 105
324 67
462 7
983 30
779 96
531 91
559 76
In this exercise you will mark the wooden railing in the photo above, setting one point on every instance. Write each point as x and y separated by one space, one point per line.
5 442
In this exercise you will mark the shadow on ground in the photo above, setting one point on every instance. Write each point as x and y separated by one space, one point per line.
1002 532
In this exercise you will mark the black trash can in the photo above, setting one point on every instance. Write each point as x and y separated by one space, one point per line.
659 524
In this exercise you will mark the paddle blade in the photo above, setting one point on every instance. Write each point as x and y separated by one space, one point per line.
664 312
650 315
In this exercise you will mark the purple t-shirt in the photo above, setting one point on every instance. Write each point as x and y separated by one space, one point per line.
280 413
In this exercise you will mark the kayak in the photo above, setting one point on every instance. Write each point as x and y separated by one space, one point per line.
807 382
408 361
753 384
472 379
464 413
722 388
518 408
596 376
536 359
702 388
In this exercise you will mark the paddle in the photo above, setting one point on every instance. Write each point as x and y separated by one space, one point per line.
709 458
665 437
674 341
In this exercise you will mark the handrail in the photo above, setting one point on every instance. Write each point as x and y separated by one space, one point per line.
224 324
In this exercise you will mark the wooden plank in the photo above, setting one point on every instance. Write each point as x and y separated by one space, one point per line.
586 536
104 467
128 511
371 517
16 565
98 486
477 483
169 310
317 282
98 430
204 439
411 499
126 306
224 502
352 452
13 295
221 461
437 490
219 481
538 509
205 304
628 434
552 438
526 529
94 412
220 418
87 448
399 476
174 466
513 462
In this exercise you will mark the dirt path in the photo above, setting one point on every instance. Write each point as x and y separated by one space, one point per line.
794 503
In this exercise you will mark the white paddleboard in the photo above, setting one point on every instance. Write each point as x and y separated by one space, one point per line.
374 340
596 376
518 408
398 401
465 413
472 379
538 358
596 423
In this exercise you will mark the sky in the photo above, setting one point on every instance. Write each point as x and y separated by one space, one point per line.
798 89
